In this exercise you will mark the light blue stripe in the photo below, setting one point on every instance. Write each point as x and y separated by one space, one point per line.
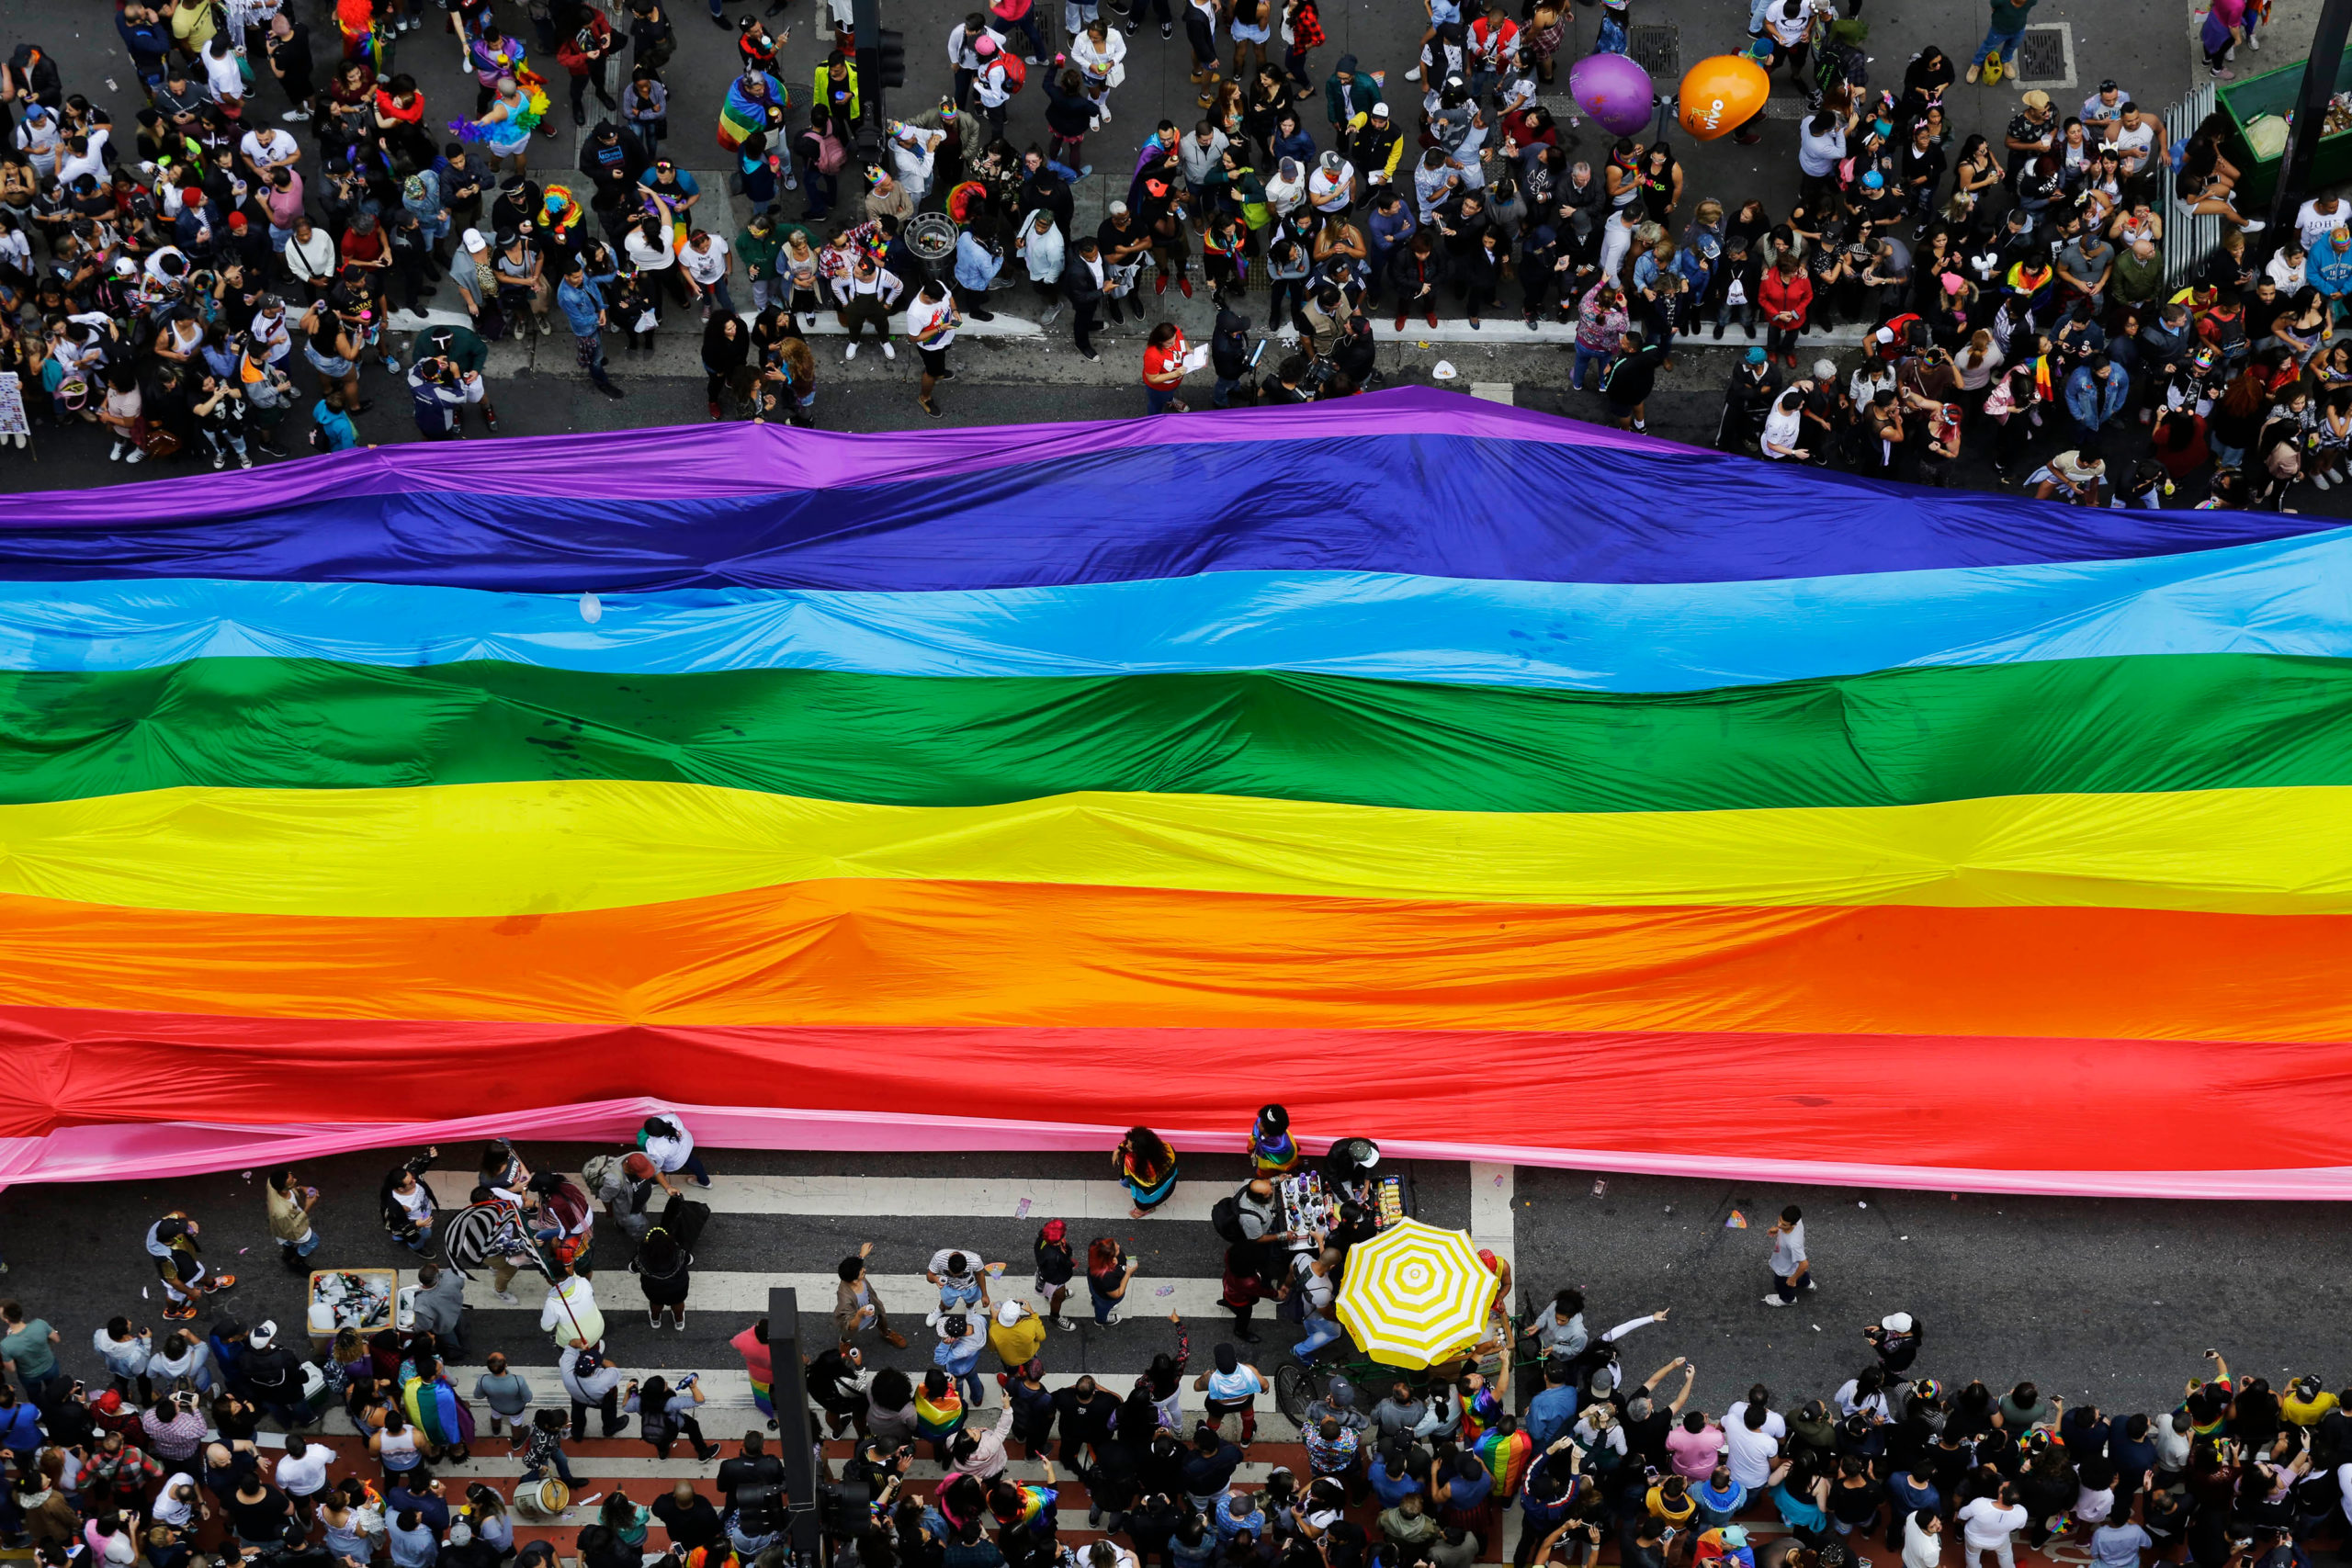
2286 596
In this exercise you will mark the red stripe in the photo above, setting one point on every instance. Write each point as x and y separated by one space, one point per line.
1929 1104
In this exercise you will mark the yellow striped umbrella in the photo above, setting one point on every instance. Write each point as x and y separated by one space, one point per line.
1415 1294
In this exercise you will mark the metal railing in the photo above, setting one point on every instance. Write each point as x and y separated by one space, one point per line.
2189 238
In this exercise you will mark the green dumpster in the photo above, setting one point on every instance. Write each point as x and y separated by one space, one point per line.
2275 92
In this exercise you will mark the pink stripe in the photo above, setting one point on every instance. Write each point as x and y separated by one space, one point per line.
122 1151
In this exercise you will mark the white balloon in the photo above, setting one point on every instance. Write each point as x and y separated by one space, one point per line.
592 609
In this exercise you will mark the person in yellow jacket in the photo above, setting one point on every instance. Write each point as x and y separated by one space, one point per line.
1016 1335
836 85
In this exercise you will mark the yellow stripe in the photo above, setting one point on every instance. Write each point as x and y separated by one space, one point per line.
538 848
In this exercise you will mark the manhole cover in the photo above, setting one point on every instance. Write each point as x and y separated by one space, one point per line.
1657 48
2043 56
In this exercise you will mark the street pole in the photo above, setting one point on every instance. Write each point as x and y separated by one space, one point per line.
865 19
2319 72
788 1391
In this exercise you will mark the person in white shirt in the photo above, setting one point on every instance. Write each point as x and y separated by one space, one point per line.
932 321
989 84
1991 1524
2103 111
704 260
1332 187
1923 1539
914 151
1791 1271
222 74
178 1506
1784 426
2320 217
302 1472
1752 1434
269 148
310 256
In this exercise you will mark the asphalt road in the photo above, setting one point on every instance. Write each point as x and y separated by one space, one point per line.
2108 1300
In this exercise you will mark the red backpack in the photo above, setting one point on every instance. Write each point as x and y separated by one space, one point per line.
1016 71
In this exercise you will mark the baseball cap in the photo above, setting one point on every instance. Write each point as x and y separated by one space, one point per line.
1009 1314
1896 1323
263 1332
474 241
1381 109
1755 354
2037 99
1118 210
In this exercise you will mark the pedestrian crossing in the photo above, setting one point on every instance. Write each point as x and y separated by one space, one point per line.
915 1197
738 1292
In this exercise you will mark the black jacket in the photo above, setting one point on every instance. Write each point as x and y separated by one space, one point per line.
1078 279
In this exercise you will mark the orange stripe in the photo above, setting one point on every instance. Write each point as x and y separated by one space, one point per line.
895 954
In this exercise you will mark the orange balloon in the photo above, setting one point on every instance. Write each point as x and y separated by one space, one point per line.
1721 94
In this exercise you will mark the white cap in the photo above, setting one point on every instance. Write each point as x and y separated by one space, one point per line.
1381 109
1896 1323
1886 334
474 241
1010 1314
263 1332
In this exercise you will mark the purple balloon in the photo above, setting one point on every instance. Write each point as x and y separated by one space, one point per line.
1613 91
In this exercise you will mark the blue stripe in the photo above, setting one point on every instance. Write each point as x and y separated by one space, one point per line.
1418 504
2283 597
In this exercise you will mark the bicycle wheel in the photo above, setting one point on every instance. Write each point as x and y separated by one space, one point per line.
1294 1390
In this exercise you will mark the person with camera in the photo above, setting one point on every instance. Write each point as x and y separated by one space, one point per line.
752 1484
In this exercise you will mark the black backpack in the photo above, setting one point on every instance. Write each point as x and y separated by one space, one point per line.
1225 1218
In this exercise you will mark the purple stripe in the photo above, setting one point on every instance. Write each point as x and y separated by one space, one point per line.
698 462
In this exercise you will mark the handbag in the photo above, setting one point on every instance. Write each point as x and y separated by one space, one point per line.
158 442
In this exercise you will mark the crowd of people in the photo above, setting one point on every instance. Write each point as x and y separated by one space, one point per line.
187 289
160 1463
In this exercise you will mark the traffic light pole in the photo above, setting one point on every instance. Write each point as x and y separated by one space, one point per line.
795 1436
2320 71
865 17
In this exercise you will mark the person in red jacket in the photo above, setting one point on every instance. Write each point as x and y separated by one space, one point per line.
1786 296
585 54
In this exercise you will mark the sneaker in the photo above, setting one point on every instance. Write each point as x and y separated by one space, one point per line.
2254 225
392 366
929 408
1049 318
791 182
1809 1284
1084 170
2223 74
220 461
223 1282
1067 1325
135 456
808 321
1774 1300
1112 1317
1414 74
1974 72
1159 284
294 117
1186 283
889 351
509 1297
179 1313
680 1313
2322 480
980 315
1089 356
652 1317
115 454
850 352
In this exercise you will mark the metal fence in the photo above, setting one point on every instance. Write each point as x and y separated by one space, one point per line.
2188 239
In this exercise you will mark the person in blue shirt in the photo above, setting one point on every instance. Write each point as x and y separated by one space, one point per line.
1550 1412
1910 1492
1719 1498
582 300
1392 1476
335 432
977 264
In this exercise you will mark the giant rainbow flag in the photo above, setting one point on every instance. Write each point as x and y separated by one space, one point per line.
1482 782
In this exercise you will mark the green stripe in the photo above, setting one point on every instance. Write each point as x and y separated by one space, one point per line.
2129 725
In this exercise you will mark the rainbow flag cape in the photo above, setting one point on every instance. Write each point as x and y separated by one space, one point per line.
1913 836
742 114
937 1419
435 1408
1506 1456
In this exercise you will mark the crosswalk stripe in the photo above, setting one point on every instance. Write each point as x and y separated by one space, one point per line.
908 1196
906 1297
729 1388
